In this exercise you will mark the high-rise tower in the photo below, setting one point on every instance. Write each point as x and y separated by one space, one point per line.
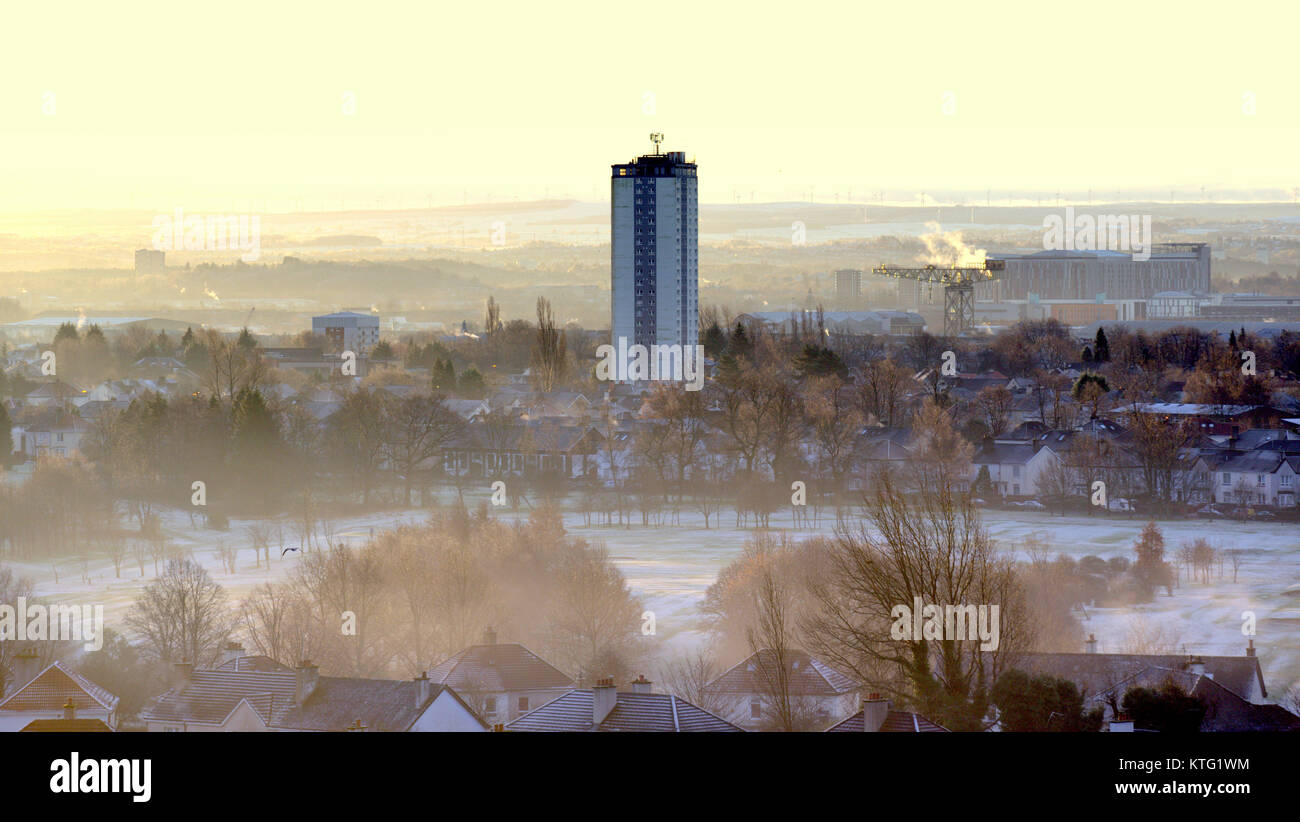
654 261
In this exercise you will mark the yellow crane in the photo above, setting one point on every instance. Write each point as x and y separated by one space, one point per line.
958 288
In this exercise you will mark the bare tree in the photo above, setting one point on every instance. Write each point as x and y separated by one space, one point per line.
550 359
116 550
688 676
182 615
930 547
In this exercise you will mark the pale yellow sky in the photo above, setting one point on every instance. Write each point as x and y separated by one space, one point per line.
242 104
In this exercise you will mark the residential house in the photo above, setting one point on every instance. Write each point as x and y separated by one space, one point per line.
1013 468
55 434
260 697
605 708
819 694
1095 673
46 694
519 448
1225 710
501 681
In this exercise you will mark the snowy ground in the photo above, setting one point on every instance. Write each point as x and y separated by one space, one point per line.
671 567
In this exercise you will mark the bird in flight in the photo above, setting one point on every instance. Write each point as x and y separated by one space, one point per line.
287 550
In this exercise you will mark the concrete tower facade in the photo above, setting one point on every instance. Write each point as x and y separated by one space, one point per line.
654 265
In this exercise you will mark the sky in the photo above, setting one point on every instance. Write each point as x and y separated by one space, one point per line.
284 106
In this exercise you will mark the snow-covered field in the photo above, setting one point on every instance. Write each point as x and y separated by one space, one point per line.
670 568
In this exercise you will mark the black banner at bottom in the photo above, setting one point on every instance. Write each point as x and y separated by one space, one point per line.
639 773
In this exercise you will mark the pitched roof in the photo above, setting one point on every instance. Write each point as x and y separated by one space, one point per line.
256 662
1097 672
633 712
51 689
1225 710
904 722
79 726
210 696
809 677
380 704
998 453
507 666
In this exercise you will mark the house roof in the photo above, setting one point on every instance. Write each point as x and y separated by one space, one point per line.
906 722
633 712
1225 710
53 687
79 726
211 695
380 704
999 453
53 421
1097 672
507 666
256 662
809 677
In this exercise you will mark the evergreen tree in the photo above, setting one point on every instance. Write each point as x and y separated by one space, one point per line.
817 361
1151 569
443 375
471 383
67 331
740 345
1101 347
715 341
1041 703
1168 709
6 436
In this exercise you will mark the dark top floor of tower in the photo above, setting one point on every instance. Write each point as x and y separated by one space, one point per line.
669 164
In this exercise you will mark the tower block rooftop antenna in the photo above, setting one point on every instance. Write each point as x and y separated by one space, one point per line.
656 137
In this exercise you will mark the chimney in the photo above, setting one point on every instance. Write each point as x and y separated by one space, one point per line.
422 690
25 667
232 650
305 677
1091 644
1250 647
1196 666
603 699
1122 723
182 673
490 636
874 712
641 685
69 709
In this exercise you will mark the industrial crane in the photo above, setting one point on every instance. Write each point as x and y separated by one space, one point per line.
958 288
